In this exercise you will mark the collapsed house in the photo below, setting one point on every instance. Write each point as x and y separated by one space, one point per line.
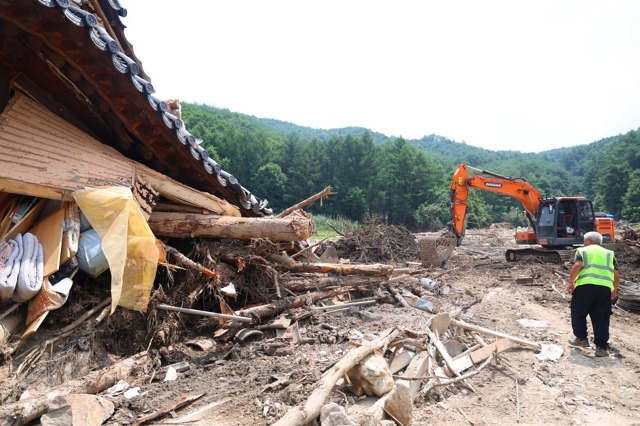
78 113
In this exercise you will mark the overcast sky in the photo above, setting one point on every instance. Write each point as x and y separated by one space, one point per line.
518 75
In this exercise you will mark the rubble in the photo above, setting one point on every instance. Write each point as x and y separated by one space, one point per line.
436 350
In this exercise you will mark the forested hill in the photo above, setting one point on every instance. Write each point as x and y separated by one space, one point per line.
406 181
284 128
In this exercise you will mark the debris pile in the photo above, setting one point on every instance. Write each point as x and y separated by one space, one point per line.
378 243
402 366
237 300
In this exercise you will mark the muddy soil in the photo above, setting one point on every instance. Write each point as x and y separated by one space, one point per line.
256 381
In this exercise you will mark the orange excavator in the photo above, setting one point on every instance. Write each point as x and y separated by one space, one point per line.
555 223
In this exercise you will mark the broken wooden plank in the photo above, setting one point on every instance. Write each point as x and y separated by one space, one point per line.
520 341
443 353
27 221
49 233
183 194
417 367
499 346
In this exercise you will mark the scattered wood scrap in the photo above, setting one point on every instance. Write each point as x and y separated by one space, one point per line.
431 366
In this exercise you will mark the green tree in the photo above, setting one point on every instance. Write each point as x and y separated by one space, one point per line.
631 203
270 181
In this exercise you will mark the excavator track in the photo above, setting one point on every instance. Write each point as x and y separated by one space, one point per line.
435 251
541 255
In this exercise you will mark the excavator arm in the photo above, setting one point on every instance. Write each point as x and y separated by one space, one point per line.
516 188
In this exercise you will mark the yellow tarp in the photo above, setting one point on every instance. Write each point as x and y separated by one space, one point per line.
127 243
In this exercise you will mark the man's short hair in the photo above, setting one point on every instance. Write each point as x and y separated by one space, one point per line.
594 237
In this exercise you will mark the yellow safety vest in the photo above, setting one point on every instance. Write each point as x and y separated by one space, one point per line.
597 266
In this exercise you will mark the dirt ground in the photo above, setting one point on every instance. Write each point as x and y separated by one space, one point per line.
256 381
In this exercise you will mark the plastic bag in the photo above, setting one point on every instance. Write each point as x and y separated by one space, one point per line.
127 243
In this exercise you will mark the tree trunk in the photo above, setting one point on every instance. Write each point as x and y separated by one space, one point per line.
301 284
378 270
190 225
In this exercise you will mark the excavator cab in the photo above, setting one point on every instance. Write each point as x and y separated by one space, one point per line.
563 221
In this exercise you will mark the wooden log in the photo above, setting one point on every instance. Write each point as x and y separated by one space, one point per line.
280 259
9 324
518 340
343 269
281 305
301 415
190 225
314 282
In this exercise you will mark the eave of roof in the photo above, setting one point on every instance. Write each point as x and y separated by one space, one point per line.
72 40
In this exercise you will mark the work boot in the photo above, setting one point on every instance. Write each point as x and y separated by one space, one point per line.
601 352
577 341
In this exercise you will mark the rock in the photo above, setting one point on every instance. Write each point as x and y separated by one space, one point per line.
333 414
371 377
399 403
80 410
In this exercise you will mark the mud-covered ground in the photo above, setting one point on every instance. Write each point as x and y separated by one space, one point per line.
254 382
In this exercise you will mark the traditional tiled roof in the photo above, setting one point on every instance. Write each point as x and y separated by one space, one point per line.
73 58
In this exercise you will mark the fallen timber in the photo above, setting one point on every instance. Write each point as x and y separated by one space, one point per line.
191 225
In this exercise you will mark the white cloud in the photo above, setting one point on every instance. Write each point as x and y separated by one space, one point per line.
527 76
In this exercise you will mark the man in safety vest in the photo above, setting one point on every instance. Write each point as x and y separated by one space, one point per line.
593 282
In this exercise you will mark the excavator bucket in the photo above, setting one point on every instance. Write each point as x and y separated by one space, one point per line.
435 251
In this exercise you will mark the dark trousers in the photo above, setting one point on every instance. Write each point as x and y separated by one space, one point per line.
595 301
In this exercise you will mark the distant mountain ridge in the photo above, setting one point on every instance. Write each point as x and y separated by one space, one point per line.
379 174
